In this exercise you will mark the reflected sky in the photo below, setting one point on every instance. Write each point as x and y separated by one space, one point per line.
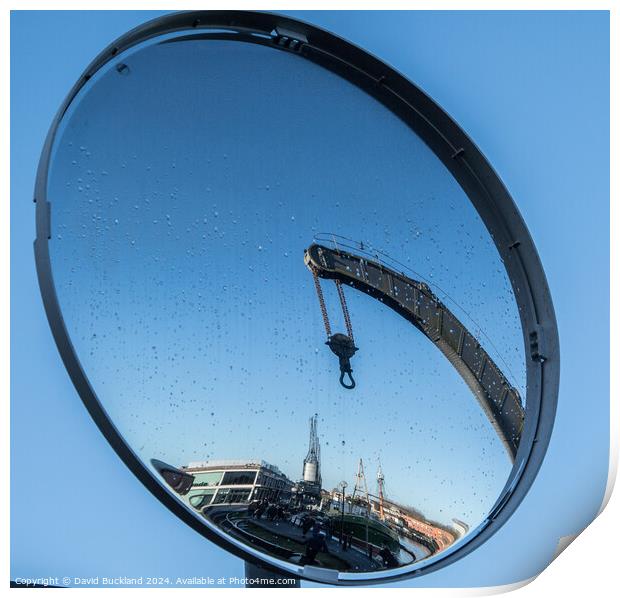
185 186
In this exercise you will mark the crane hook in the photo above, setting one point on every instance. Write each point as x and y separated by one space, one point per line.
344 347
347 386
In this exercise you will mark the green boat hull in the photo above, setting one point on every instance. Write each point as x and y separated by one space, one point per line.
379 534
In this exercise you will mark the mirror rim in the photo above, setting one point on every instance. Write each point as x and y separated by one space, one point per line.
467 165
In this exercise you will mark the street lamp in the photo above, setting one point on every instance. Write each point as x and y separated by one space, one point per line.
343 485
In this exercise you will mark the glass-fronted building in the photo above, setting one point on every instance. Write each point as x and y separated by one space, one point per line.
236 482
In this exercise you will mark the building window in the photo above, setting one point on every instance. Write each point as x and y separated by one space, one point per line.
201 499
231 495
239 478
207 478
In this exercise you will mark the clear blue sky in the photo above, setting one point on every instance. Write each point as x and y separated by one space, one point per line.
289 321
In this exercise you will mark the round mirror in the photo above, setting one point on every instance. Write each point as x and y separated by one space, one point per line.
302 314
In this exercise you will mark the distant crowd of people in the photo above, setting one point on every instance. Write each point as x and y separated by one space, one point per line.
271 511
312 523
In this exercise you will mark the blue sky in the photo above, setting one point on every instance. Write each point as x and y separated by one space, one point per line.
274 236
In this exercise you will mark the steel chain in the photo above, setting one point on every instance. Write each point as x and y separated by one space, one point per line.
319 292
345 309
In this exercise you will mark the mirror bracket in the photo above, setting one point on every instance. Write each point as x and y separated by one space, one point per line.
537 345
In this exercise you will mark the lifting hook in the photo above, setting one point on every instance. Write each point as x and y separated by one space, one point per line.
344 348
342 373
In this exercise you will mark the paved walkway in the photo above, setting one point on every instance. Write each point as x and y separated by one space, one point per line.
356 559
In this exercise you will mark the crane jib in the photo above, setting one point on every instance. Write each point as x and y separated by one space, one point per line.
416 302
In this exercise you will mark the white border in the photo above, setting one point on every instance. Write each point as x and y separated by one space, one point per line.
588 566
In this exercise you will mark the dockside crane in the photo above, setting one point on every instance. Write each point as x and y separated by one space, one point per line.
415 301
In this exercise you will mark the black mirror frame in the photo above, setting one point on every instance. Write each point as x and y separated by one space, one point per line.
466 164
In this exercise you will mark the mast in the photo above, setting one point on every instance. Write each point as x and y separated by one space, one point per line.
360 484
380 482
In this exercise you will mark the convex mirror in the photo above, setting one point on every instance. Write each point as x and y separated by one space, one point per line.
295 297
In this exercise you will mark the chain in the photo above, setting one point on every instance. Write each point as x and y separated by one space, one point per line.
319 292
343 304
345 309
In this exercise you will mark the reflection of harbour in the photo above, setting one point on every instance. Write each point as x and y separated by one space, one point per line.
377 513
303 523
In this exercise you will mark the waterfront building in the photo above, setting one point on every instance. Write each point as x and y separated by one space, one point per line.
236 482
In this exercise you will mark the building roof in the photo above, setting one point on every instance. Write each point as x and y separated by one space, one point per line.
232 464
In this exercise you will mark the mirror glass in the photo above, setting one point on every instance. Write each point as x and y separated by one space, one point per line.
220 210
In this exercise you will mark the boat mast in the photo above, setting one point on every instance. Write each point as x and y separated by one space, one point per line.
380 481
360 484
